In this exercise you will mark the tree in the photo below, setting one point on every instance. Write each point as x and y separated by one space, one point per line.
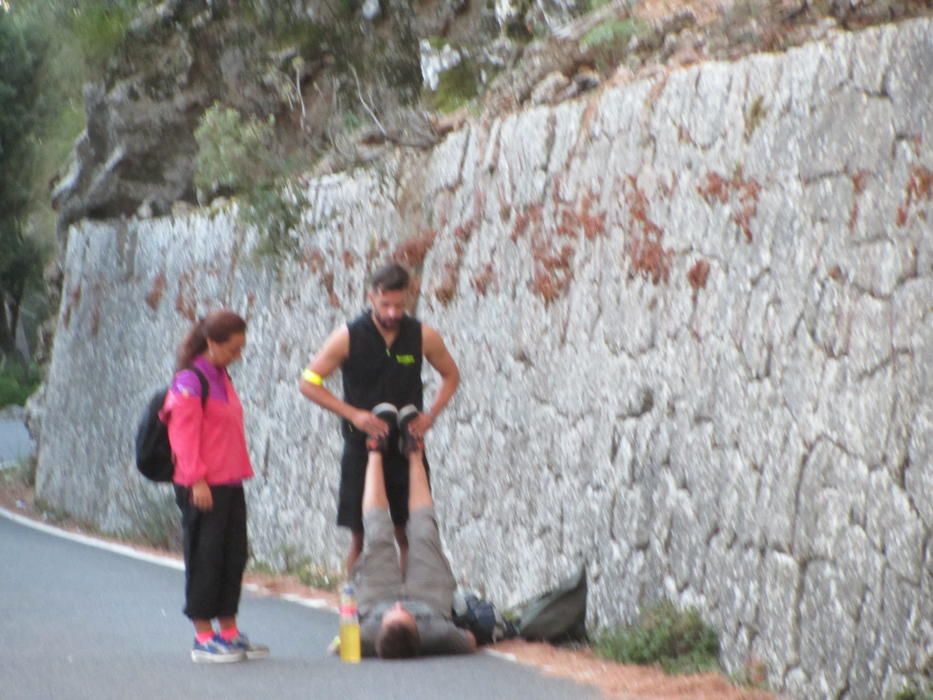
20 258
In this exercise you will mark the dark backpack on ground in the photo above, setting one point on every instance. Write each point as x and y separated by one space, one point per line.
153 451
482 619
559 615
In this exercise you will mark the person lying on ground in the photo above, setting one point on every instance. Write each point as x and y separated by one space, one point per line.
404 612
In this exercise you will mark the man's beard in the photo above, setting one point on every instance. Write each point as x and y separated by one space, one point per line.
389 324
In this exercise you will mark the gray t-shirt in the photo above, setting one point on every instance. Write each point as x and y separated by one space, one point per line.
426 591
438 633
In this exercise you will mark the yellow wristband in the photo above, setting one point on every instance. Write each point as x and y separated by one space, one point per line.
312 377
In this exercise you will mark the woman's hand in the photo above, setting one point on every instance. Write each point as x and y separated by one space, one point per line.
201 495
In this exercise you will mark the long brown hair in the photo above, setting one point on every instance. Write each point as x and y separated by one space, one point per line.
217 325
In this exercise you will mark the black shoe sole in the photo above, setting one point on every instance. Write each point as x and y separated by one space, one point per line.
407 443
388 413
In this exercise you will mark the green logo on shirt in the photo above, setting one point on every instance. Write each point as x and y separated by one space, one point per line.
405 359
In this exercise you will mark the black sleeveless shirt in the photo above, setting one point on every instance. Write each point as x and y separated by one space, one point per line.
374 373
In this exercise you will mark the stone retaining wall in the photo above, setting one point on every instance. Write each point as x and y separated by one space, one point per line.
693 318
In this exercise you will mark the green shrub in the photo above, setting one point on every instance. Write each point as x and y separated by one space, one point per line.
455 87
608 42
613 31
54 119
233 153
17 382
275 214
912 692
351 121
238 155
309 573
317 576
677 640
100 27
23 473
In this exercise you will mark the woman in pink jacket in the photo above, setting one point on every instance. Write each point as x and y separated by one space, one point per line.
211 463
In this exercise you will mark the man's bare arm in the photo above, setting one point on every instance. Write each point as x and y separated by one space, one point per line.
331 356
439 357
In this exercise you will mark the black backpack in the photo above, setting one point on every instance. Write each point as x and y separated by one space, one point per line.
153 451
482 619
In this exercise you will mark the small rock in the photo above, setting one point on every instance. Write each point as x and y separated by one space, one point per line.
371 10
548 90
500 53
508 12
436 61
622 76
586 79
201 20
182 209
145 210
152 17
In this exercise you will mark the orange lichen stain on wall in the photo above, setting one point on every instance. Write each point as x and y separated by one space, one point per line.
481 281
919 189
156 291
859 181
413 251
185 304
737 190
698 274
647 256
74 299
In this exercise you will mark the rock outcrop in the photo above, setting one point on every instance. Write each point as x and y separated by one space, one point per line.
693 317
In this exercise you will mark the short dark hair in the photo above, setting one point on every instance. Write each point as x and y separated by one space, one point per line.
398 641
390 278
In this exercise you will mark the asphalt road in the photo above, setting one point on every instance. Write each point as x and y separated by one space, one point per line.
81 622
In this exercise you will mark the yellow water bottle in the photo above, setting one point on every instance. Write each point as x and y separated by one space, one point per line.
349 626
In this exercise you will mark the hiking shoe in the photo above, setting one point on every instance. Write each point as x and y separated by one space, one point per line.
408 443
388 413
252 651
216 650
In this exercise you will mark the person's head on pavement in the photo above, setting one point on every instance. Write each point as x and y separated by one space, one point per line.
398 634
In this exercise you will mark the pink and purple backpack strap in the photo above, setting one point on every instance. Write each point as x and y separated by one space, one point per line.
187 383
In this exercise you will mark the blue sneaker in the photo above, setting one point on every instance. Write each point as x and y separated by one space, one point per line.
216 650
252 651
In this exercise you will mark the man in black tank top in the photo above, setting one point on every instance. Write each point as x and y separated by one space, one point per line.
380 353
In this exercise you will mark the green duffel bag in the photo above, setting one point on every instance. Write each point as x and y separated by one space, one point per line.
557 616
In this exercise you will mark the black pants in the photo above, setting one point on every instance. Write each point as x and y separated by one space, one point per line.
353 481
215 552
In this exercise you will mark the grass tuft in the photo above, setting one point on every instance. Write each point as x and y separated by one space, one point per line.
294 564
678 640
455 88
912 692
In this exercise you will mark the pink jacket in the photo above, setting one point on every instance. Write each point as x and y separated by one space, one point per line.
208 444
